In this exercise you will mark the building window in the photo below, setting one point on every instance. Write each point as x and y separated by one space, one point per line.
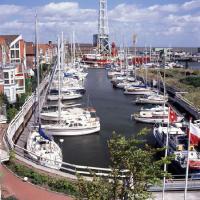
17 53
11 74
6 81
12 53
17 45
6 75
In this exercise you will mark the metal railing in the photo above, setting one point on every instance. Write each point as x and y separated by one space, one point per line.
67 169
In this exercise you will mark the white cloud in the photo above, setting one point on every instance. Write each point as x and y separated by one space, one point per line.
164 8
156 24
191 5
59 7
9 9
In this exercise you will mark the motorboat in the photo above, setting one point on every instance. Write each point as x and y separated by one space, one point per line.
178 145
157 114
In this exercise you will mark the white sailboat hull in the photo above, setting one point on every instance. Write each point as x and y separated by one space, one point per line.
147 101
152 120
48 155
138 92
64 97
62 131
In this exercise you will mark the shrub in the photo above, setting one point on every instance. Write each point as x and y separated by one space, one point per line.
11 112
58 185
192 80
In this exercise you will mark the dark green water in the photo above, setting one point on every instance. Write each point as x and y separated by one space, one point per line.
114 110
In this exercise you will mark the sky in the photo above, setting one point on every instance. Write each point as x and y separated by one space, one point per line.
155 22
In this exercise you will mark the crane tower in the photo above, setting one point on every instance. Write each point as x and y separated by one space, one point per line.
101 40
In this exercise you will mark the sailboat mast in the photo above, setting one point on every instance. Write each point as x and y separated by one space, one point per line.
146 65
74 49
59 88
150 53
62 60
37 66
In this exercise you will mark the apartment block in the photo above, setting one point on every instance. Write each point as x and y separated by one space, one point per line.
13 65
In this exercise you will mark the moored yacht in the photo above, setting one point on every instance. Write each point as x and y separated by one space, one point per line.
153 98
178 145
69 95
157 114
138 91
73 126
44 151
68 113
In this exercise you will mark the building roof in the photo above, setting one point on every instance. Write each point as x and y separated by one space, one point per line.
9 38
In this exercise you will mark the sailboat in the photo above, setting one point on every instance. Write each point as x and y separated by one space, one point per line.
69 122
154 98
41 147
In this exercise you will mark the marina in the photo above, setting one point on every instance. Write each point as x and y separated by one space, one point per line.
116 118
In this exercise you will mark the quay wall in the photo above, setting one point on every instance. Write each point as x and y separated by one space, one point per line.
176 97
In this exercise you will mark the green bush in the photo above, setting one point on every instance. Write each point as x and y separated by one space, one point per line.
11 112
192 80
62 185
54 184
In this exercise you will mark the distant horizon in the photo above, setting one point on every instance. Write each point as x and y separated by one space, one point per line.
158 23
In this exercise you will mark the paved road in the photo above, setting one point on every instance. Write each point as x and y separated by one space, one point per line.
178 196
26 191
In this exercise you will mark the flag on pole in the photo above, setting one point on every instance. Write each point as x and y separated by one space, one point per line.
172 115
194 134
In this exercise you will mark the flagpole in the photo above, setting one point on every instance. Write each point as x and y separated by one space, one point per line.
188 160
167 138
166 152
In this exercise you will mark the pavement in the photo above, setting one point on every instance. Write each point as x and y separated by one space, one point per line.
14 186
194 195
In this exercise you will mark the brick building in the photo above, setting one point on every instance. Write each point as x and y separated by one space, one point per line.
12 65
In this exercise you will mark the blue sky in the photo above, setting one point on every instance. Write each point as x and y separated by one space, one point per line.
92 3
156 22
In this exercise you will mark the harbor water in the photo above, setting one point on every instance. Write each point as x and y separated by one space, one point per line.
114 109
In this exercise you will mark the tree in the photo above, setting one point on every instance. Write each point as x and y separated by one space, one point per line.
3 99
142 170
11 112
97 189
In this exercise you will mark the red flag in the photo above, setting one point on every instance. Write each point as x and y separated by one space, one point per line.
172 115
194 134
